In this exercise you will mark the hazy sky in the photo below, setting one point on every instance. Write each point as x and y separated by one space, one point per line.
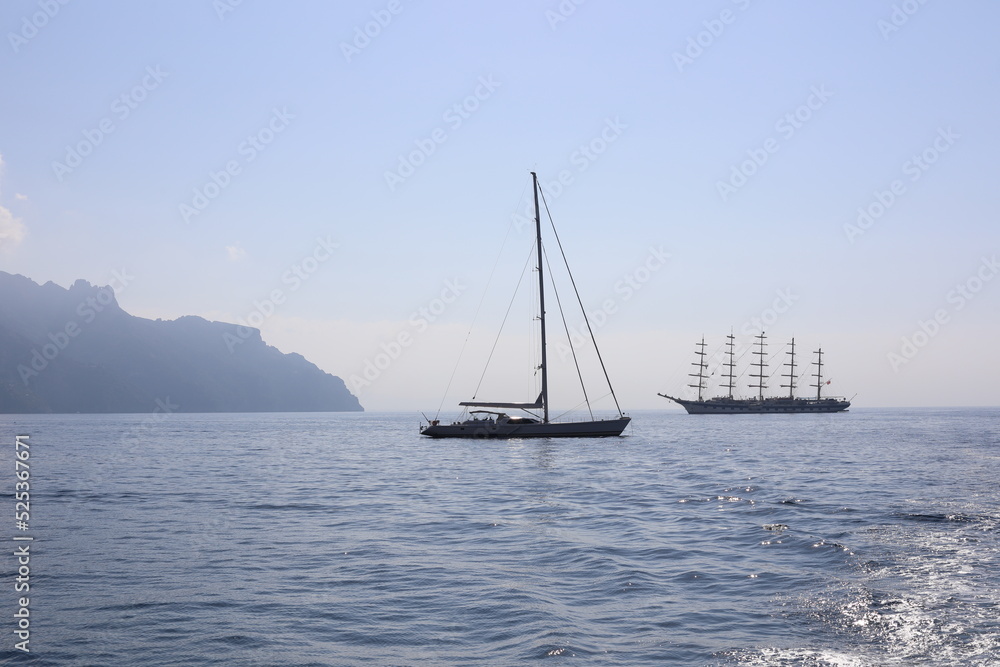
345 174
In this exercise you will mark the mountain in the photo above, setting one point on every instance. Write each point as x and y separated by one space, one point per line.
76 350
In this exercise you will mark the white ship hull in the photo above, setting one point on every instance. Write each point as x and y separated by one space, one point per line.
726 406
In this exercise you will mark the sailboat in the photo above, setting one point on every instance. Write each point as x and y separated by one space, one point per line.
729 404
489 419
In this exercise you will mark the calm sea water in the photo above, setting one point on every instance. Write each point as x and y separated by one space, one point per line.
865 538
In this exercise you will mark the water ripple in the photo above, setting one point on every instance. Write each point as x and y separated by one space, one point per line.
349 540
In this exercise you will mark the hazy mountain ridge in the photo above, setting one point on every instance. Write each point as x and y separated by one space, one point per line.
76 350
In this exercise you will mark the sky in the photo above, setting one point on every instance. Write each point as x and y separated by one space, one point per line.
354 180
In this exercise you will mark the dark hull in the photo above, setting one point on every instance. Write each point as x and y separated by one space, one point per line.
490 429
735 406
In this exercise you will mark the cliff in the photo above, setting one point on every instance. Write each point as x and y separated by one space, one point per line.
75 350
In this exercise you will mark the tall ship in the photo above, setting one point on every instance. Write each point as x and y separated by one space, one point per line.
759 404
490 419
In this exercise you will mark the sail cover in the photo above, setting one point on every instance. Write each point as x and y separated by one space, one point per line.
491 404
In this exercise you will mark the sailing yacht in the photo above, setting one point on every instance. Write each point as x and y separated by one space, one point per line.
490 419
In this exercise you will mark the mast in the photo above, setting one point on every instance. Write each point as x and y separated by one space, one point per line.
730 365
819 373
761 364
791 371
701 367
541 300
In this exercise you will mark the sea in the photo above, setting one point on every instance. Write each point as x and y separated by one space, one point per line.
870 537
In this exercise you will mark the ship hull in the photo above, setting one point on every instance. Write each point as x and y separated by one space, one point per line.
725 406
490 429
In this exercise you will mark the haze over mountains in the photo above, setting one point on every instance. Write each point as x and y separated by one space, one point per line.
75 350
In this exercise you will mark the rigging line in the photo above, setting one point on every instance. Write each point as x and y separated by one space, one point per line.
569 339
580 301
740 359
560 416
772 358
455 369
482 299
715 356
742 354
509 305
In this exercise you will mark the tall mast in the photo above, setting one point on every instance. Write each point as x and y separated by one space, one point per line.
761 364
729 364
791 371
819 373
701 367
541 300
